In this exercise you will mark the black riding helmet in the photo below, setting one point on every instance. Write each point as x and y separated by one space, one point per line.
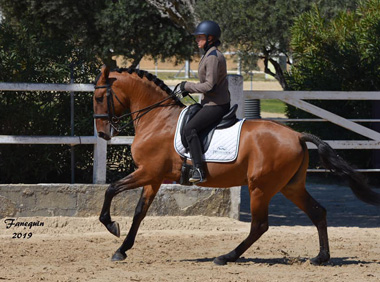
209 28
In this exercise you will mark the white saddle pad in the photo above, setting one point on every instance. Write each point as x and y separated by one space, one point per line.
224 146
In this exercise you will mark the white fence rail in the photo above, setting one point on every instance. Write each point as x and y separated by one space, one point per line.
76 87
296 99
100 145
292 98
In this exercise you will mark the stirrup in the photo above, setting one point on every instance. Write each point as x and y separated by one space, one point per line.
198 176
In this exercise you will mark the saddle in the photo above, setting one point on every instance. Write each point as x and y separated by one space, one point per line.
205 136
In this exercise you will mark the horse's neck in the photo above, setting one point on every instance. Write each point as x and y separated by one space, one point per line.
141 94
159 119
143 97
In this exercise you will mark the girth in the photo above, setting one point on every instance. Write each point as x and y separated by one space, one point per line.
205 136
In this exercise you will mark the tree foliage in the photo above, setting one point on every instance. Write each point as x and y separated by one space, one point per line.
106 28
338 54
261 28
180 12
27 55
138 30
41 41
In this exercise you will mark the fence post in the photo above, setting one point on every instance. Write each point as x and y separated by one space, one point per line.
72 124
235 85
100 160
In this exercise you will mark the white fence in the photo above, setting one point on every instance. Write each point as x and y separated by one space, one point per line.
296 99
238 96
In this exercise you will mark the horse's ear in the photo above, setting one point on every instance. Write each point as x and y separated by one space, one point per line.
105 72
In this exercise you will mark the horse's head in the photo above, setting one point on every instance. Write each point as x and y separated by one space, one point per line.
133 89
107 106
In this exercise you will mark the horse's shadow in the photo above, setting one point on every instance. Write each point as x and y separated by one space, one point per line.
243 260
290 261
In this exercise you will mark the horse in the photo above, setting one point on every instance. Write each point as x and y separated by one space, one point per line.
272 158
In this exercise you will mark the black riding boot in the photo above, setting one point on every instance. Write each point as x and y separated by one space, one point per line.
195 147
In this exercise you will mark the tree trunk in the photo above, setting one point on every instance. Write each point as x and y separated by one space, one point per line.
136 62
109 62
180 12
279 75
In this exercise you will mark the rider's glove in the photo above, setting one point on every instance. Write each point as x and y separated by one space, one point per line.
182 88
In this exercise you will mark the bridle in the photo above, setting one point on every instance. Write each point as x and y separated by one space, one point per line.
114 120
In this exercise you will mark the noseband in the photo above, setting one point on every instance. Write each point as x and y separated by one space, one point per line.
114 120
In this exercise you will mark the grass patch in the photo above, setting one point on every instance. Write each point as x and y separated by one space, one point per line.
171 76
255 77
188 101
273 106
269 106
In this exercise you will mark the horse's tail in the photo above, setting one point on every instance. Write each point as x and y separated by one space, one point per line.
330 160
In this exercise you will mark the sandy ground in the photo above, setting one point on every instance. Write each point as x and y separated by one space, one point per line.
182 249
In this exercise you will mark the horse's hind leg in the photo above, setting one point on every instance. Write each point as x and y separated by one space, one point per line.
147 197
259 225
297 193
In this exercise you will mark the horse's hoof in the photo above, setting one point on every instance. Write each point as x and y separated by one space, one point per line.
319 260
114 228
220 261
119 256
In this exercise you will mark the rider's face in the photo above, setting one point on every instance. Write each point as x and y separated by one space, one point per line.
201 40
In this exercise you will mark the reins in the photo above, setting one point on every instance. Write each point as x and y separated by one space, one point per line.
114 119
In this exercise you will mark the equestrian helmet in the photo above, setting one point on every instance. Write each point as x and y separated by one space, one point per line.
208 28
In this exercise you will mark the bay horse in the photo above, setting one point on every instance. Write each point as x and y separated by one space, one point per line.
272 158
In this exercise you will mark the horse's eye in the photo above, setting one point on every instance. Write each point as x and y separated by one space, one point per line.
99 99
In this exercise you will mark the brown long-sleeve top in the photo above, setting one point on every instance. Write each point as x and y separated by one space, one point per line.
212 72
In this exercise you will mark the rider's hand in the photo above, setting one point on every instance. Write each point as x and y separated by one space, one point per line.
183 90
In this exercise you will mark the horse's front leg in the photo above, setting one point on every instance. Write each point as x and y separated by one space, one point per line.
147 197
132 181
105 215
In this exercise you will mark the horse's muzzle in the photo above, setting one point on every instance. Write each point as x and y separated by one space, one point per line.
104 136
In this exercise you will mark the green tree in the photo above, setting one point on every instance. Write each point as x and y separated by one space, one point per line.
138 30
28 56
261 28
180 12
106 28
337 54
340 54
40 41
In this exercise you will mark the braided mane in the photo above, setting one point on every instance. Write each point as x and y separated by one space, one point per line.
150 77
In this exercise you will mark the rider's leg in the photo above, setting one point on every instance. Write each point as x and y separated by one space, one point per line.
206 117
195 147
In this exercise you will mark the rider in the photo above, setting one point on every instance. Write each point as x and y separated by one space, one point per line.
212 71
